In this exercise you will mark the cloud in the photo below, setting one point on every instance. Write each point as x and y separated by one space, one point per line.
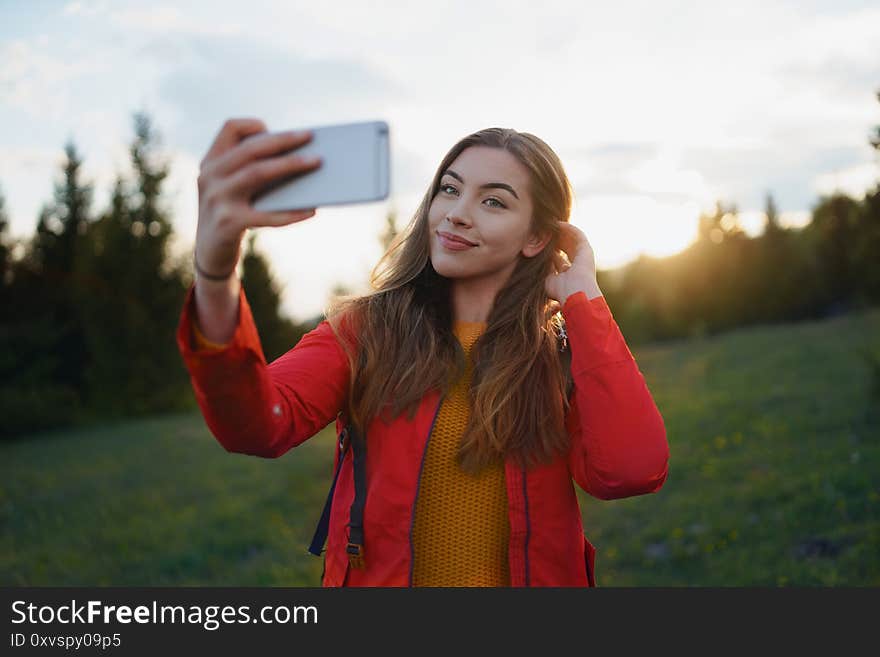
837 75
603 168
653 111
217 77
170 19
852 180
41 82
786 170
86 8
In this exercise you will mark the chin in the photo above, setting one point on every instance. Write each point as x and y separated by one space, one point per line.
445 268
442 268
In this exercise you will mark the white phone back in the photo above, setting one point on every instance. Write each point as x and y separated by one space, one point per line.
355 168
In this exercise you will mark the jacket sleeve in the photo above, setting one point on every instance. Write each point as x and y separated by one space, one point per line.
201 342
618 438
256 408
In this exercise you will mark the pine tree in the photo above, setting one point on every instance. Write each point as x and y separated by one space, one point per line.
771 225
722 224
57 246
63 222
875 140
5 259
108 302
45 355
833 230
390 230
867 264
278 334
135 297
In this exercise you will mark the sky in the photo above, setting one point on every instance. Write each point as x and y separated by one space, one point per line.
657 110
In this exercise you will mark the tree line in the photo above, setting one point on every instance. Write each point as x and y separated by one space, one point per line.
725 279
89 304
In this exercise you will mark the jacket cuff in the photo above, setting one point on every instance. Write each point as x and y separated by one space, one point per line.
245 339
593 334
581 297
201 342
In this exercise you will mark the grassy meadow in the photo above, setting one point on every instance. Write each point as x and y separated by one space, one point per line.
774 480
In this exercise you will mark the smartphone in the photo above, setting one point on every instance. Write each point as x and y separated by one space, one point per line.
355 168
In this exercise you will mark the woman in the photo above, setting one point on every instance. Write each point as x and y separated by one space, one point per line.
449 369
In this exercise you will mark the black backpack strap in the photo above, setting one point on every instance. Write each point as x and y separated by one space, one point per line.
317 546
355 547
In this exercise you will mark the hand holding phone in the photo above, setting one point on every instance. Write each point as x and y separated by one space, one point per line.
243 160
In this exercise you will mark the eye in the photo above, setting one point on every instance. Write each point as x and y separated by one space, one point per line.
443 188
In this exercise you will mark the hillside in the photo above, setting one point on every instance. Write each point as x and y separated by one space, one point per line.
774 480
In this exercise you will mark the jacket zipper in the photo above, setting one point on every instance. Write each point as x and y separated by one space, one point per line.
528 525
412 522
415 499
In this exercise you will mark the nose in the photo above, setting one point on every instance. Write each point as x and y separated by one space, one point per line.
457 219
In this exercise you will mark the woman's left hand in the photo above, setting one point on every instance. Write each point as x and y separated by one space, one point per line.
576 274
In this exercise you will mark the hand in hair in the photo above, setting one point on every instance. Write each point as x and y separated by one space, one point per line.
575 266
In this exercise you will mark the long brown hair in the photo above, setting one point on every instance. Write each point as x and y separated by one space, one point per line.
399 339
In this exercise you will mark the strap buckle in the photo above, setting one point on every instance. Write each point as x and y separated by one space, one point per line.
355 555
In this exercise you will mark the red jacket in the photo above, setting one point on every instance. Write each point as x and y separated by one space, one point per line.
618 444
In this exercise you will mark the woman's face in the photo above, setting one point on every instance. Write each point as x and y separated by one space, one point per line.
496 220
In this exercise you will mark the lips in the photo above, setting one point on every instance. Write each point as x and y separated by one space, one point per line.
454 241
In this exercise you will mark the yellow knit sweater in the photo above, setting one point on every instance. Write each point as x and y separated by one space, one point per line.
461 526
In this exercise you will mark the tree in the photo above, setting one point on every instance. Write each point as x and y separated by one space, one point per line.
771 224
134 297
390 230
56 248
834 238
63 222
109 303
277 334
867 263
722 224
45 355
875 140
5 257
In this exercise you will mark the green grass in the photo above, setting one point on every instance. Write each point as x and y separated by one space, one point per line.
159 502
774 468
774 480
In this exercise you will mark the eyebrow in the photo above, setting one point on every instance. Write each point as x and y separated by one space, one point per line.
491 185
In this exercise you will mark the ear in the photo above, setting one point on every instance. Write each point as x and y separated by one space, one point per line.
535 244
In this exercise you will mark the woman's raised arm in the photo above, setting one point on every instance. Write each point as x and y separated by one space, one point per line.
263 409
618 438
251 407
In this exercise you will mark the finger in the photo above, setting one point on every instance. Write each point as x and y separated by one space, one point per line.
567 239
560 262
572 240
256 219
258 175
258 147
232 132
